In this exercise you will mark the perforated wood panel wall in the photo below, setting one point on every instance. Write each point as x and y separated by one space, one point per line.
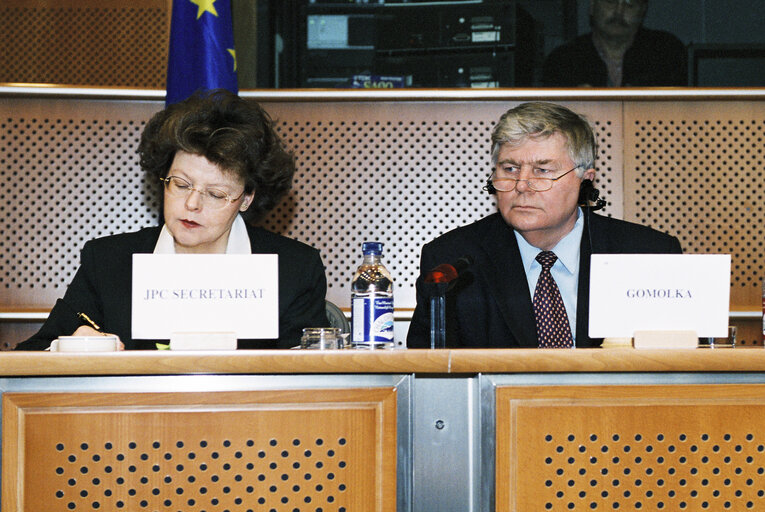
399 173
646 448
697 170
84 42
297 451
68 173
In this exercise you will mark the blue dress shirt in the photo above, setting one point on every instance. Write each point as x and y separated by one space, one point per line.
565 271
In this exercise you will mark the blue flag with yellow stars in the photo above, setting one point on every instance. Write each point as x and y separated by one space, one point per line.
202 52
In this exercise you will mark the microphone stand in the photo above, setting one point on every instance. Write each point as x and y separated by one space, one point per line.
435 285
437 294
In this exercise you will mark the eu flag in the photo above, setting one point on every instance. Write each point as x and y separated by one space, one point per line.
201 48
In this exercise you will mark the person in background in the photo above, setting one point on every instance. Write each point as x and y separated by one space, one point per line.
219 162
619 52
528 285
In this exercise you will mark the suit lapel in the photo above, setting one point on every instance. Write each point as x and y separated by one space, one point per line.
260 244
146 241
594 241
506 281
583 293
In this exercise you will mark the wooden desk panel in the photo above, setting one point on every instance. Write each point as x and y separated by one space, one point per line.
421 361
446 406
168 362
669 447
256 450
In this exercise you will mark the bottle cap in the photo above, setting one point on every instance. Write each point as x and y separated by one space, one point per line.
372 248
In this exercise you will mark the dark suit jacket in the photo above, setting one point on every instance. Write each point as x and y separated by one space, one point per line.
656 58
490 306
101 288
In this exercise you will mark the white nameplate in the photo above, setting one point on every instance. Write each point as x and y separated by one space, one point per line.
659 292
174 293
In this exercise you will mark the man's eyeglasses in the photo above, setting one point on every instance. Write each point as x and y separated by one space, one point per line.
211 197
535 184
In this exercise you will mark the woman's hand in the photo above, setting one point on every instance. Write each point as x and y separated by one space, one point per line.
86 330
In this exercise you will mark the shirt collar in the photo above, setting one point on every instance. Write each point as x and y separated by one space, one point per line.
567 249
238 239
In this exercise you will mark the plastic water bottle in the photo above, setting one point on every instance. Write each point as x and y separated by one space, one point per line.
372 301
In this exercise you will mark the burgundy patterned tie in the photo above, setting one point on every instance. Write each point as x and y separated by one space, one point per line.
553 330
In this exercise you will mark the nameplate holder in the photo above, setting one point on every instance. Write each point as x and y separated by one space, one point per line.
615 342
203 341
665 339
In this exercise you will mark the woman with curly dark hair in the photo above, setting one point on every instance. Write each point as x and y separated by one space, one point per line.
219 161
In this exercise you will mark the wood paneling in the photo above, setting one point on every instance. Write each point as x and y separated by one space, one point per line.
630 448
13 332
697 170
400 173
284 450
85 42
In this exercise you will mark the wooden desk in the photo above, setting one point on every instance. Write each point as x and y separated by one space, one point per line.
417 430
415 361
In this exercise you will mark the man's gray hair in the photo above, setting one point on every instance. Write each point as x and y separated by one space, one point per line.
539 120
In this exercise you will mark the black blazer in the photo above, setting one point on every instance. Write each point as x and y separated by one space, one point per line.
655 58
490 306
101 288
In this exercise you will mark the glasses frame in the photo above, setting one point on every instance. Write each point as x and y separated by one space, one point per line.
529 181
202 192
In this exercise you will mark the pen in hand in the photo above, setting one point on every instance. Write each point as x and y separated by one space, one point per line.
85 318
88 322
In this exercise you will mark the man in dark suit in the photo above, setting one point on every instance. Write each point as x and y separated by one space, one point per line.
543 156
619 52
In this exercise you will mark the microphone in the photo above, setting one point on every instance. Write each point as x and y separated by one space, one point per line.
448 272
